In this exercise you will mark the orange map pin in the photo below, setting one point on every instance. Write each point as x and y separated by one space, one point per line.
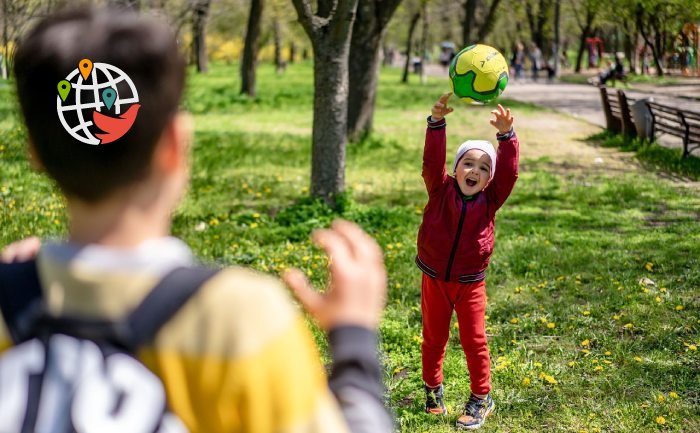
85 67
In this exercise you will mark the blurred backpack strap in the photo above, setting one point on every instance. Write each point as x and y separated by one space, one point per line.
162 303
19 289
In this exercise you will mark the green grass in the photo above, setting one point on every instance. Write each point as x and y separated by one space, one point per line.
653 156
577 342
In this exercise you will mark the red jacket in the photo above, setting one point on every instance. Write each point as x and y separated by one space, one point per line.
455 239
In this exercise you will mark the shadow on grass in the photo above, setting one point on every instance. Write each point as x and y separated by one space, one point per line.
666 162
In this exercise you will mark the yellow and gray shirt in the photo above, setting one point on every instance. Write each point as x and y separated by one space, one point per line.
236 358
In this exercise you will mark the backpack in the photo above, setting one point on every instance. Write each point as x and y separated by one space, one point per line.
78 375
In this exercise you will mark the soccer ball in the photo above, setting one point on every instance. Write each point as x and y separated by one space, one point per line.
478 74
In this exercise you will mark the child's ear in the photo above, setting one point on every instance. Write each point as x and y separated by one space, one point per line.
173 146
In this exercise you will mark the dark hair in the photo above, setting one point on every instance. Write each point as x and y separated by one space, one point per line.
143 48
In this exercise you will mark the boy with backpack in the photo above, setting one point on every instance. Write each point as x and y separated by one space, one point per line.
225 349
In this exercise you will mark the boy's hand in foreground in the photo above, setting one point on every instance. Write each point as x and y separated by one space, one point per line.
357 290
503 121
21 251
440 109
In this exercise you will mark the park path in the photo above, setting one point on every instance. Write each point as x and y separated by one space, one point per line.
583 101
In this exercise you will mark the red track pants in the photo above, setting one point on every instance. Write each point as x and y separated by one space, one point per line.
438 300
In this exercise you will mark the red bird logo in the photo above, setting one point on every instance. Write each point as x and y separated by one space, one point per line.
114 127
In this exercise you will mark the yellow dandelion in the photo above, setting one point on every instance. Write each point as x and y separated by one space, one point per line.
551 325
673 395
253 225
543 320
586 342
585 351
628 326
397 285
514 320
663 290
649 266
594 361
537 365
550 379
518 290
586 313
571 363
658 299
256 215
679 308
456 325
660 398
660 420
638 359
418 339
526 381
390 246
598 368
213 222
607 353
692 347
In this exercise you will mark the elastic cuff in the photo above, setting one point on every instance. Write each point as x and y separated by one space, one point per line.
352 342
507 136
436 124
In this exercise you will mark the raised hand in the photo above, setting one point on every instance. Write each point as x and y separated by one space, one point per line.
503 121
357 289
440 109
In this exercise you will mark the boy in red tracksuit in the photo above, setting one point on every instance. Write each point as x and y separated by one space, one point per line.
455 242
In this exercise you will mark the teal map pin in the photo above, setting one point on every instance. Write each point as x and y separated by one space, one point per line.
64 89
109 95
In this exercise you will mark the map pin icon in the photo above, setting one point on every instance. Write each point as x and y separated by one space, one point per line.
85 67
108 96
64 89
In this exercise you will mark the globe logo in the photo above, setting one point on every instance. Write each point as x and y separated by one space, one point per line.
97 103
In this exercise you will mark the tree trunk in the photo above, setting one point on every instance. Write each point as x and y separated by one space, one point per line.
277 38
5 40
200 13
581 48
363 67
425 36
292 52
490 20
330 30
250 49
557 36
409 45
330 121
469 12
642 30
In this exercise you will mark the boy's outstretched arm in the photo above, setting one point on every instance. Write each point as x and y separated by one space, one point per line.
350 311
434 152
506 158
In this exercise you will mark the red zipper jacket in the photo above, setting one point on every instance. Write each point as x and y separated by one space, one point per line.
455 239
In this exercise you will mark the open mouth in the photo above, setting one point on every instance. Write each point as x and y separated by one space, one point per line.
470 182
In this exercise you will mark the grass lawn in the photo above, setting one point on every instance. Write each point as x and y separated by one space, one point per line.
594 312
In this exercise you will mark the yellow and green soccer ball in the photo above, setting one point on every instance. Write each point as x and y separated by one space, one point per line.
478 74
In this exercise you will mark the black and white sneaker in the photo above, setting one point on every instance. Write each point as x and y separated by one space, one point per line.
475 412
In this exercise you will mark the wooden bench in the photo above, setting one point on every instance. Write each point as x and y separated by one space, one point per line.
678 122
616 106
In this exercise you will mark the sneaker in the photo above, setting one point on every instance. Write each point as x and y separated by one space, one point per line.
433 400
475 412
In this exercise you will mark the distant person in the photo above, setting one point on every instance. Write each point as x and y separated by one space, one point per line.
455 242
535 60
612 72
518 60
238 356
